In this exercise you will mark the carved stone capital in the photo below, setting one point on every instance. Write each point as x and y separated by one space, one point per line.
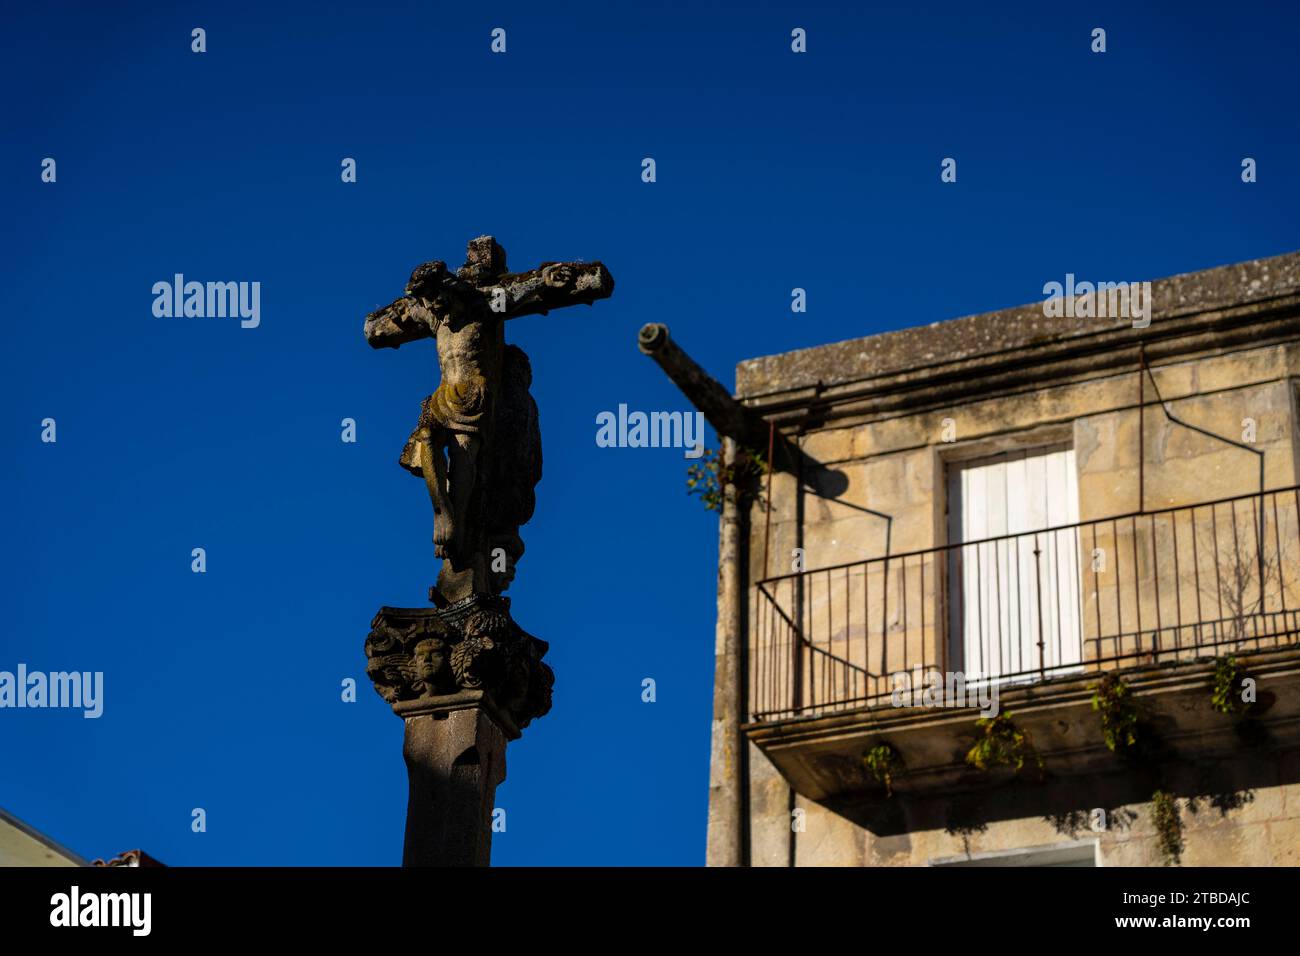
437 658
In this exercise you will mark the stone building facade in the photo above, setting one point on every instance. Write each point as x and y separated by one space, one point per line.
1021 505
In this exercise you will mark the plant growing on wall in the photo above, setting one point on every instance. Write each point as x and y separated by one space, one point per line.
1169 826
1000 743
883 762
1112 699
1225 696
710 476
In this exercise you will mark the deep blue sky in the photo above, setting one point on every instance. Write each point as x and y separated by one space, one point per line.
775 170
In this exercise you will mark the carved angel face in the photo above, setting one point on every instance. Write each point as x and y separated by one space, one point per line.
430 658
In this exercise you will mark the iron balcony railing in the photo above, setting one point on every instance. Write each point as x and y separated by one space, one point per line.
1145 588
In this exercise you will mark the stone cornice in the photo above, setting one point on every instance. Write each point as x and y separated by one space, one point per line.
1245 305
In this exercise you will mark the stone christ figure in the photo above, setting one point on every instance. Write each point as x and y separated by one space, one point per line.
477 444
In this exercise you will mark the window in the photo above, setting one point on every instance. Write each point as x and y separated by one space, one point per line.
1014 585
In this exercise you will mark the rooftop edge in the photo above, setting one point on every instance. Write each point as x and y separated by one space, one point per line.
1008 330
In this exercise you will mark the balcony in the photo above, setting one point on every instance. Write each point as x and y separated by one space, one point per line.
1037 617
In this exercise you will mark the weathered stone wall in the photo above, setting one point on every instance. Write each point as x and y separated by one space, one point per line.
1243 823
884 492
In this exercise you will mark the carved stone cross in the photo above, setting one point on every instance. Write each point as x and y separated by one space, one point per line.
477 444
463 675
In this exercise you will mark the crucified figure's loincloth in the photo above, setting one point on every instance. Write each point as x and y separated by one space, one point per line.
443 449
453 407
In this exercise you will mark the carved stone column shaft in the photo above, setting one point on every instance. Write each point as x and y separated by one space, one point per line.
455 759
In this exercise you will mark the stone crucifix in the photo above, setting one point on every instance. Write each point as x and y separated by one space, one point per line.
477 443
464 677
